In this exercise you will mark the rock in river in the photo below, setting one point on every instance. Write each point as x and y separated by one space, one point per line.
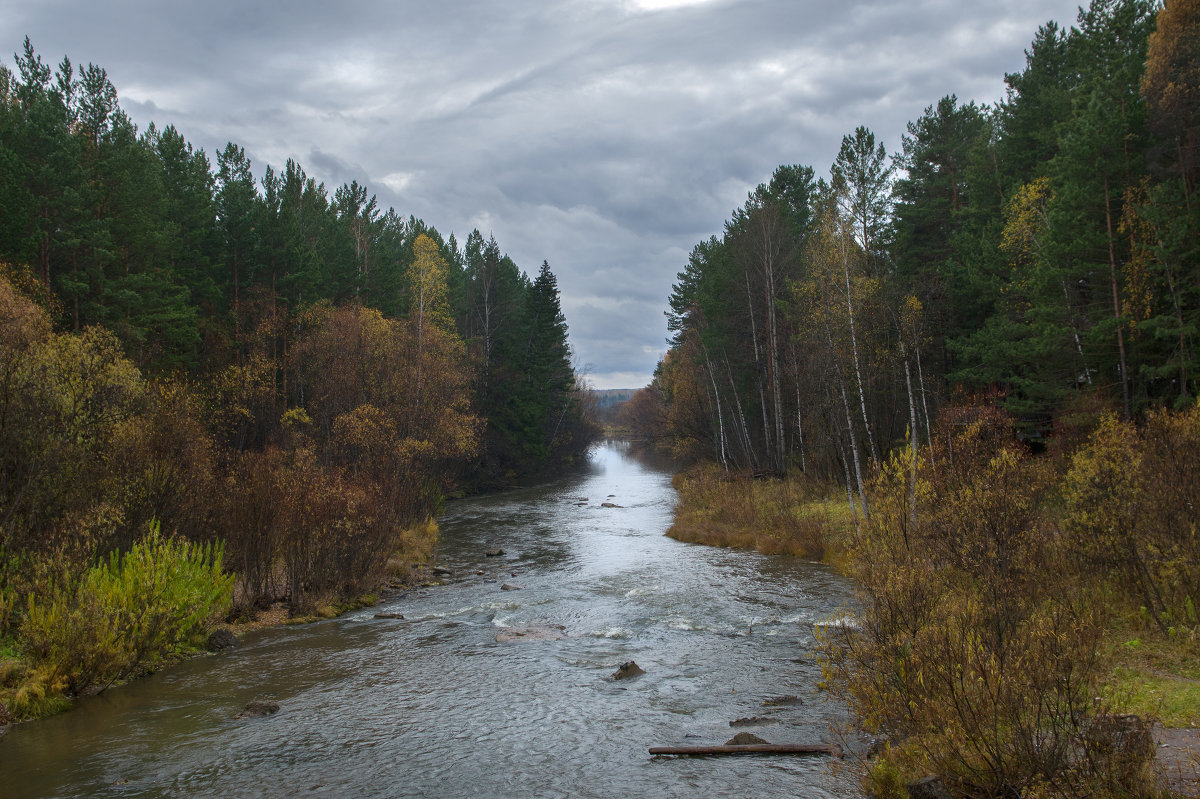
627 670
745 739
494 553
510 587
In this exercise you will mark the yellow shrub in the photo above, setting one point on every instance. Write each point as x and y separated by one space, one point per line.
126 614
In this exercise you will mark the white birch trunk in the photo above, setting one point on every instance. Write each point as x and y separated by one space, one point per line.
862 400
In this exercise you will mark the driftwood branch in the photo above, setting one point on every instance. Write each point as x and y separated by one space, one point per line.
750 749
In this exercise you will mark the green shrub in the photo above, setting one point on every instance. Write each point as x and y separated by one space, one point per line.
126 614
976 655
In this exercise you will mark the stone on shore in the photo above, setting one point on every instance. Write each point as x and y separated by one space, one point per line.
221 639
930 787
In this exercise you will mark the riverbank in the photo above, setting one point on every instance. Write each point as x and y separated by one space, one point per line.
1017 610
775 516
449 701
81 650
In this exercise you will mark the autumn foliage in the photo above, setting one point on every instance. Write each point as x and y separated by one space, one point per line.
97 459
257 367
979 655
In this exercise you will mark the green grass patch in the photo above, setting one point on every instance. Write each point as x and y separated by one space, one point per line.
1151 674
1172 699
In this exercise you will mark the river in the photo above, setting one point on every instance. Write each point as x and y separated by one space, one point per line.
433 705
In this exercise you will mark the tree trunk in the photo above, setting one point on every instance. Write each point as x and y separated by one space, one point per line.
720 417
837 439
1183 353
800 430
862 493
751 456
924 405
862 401
758 368
1183 176
912 445
1112 268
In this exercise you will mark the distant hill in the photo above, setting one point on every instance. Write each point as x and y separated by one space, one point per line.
609 397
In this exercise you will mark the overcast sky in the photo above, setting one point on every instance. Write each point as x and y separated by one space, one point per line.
605 136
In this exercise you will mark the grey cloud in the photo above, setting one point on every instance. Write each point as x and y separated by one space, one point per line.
605 140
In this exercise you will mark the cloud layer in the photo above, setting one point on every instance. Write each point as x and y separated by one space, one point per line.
605 136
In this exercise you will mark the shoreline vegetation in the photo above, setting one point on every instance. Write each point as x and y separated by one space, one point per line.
772 515
1028 619
222 395
966 373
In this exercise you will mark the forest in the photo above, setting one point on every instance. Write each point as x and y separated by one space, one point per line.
1039 254
220 391
982 345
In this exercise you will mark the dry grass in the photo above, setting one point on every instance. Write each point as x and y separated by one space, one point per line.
418 542
789 516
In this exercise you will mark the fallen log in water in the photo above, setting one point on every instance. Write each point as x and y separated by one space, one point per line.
750 749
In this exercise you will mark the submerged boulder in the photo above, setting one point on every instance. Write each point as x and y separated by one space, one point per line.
782 701
549 632
753 721
258 708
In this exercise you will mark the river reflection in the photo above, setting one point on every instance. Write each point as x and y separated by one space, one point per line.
433 705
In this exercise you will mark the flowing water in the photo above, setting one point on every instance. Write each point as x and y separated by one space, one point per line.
433 705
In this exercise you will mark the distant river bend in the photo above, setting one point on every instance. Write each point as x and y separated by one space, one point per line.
435 706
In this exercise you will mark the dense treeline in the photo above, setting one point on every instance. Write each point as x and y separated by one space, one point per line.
1016 278
198 266
1042 252
289 377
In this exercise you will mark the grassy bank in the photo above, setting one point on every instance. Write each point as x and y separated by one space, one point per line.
1149 673
788 516
1026 620
137 612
